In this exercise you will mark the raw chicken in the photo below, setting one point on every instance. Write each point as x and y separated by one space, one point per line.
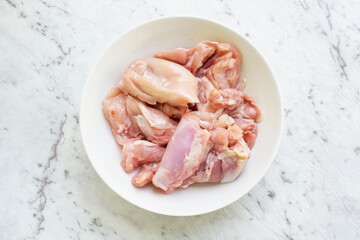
192 58
136 152
219 62
183 155
153 124
225 121
114 108
237 104
202 87
145 174
249 109
207 120
155 80
205 87
249 130
226 158
171 111
245 115
130 118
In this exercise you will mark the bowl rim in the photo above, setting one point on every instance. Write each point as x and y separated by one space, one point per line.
135 27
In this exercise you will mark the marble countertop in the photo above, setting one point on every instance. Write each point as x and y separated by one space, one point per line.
48 188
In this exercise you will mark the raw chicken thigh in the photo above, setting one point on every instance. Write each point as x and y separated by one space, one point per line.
219 62
145 174
155 80
226 158
114 108
183 117
153 124
130 118
136 152
237 104
171 111
183 155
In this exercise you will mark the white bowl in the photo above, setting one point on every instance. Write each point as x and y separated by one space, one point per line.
144 41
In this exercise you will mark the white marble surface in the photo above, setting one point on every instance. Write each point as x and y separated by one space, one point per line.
48 188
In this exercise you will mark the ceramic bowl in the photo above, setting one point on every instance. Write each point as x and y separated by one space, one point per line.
144 41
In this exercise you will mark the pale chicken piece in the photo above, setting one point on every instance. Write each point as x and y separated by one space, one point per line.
192 58
130 118
183 155
226 159
177 55
237 104
205 87
198 55
114 108
227 99
153 124
136 152
154 80
214 100
206 120
249 129
249 109
223 68
225 121
145 174
219 62
209 171
246 115
171 111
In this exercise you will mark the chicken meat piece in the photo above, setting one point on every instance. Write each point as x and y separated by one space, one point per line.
191 58
219 62
178 55
246 113
171 111
136 152
214 100
223 68
114 108
183 155
225 121
205 87
130 118
234 103
226 158
155 80
247 108
145 174
206 120
249 128
153 123
237 104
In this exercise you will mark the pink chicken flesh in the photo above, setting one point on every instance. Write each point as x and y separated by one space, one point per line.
145 174
153 124
237 104
183 155
226 158
136 152
245 112
154 80
219 62
171 111
114 108
130 118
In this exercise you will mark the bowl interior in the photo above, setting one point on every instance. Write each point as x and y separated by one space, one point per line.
144 41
